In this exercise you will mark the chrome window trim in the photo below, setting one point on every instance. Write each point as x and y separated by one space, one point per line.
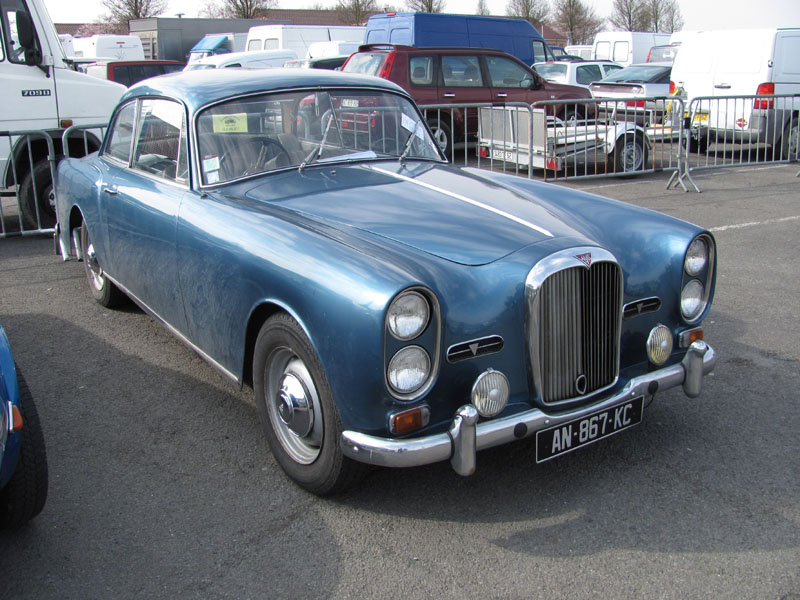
541 271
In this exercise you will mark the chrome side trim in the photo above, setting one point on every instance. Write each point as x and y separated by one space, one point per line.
175 332
455 444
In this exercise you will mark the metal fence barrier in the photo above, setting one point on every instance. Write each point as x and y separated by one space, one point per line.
27 203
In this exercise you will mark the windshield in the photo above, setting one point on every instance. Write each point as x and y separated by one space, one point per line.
637 74
268 132
551 71
366 63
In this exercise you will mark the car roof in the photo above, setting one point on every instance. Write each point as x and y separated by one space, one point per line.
386 47
201 87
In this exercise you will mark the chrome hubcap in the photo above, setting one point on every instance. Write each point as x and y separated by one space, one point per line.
293 406
95 270
440 137
631 157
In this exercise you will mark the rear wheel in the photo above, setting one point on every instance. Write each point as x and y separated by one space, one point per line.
105 292
790 141
630 154
26 492
297 410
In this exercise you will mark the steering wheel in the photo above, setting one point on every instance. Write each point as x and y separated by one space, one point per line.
263 149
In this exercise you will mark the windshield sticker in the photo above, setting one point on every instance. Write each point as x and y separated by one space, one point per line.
212 177
210 163
234 123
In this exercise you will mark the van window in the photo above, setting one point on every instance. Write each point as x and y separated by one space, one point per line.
421 69
461 71
253 45
787 52
602 51
621 50
539 52
271 44
401 35
13 50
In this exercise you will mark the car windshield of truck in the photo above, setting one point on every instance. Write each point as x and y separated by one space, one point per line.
273 132
552 71
637 74
365 63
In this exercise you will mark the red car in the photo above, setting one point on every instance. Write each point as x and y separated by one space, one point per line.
128 72
462 76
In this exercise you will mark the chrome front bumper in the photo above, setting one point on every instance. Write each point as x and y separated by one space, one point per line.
466 436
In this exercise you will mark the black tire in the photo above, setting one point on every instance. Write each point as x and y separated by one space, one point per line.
790 140
40 180
442 135
630 154
304 442
26 492
103 290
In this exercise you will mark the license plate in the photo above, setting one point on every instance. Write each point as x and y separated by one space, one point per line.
574 434
503 155
698 117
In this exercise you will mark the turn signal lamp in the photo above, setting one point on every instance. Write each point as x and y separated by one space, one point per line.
409 420
16 419
692 335
66 123
764 89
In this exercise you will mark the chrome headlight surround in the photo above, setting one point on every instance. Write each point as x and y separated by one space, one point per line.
699 265
412 323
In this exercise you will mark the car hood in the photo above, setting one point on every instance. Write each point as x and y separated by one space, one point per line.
446 212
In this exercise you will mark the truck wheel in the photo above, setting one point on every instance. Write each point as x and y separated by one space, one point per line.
42 179
297 410
24 496
442 135
630 154
790 140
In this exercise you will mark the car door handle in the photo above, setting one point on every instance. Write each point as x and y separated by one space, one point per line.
450 95
723 86
110 190
502 95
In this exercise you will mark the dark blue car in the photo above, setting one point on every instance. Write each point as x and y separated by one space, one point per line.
302 232
23 459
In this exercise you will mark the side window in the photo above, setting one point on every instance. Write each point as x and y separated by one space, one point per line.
461 71
271 44
539 52
602 51
664 78
587 74
506 73
611 69
121 134
13 49
122 75
421 69
253 45
621 51
162 132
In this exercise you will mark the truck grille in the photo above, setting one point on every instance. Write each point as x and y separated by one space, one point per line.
574 328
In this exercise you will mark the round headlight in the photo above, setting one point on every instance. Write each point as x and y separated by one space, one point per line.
490 393
692 299
696 257
408 316
409 369
659 344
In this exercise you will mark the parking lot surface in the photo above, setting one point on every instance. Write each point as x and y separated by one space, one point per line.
162 485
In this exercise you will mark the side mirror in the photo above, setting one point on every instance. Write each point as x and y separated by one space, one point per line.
27 39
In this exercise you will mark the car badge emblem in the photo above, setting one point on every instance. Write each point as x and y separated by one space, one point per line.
585 258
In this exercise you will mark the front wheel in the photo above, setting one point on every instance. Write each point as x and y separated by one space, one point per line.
26 492
297 410
105 292
37 199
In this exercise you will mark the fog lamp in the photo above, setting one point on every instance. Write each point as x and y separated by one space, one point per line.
490 393
659 344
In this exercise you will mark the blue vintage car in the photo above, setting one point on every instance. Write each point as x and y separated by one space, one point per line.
303 233
23 458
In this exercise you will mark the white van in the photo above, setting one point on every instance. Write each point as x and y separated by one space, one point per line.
330 49
265 59
741 63
582 50
299 37
110 47
626 47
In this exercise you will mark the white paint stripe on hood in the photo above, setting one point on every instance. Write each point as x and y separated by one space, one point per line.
496 211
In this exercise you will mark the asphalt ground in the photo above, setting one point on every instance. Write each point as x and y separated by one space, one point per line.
162 485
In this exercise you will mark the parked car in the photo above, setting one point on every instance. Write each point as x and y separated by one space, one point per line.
763 62
262 59
23 458
128 72
648 80
462 76
575 73
332 63
303 233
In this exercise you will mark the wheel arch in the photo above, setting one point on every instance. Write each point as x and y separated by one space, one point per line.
39 151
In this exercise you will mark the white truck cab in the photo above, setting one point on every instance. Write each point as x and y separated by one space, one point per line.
41 92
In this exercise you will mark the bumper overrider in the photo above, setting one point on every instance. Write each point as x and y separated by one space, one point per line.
466 436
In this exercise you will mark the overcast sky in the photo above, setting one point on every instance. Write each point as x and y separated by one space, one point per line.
697 14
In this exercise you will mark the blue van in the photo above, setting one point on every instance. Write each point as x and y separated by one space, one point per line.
514 36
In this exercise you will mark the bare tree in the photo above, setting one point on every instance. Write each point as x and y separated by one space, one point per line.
122 11
354 12
577 20
534 11
629 15
673 20
482 9
429 6
89 29
237 9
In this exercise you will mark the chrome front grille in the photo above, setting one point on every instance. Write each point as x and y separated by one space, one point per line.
574 318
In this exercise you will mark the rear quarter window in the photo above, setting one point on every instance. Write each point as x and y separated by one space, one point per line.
366 63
